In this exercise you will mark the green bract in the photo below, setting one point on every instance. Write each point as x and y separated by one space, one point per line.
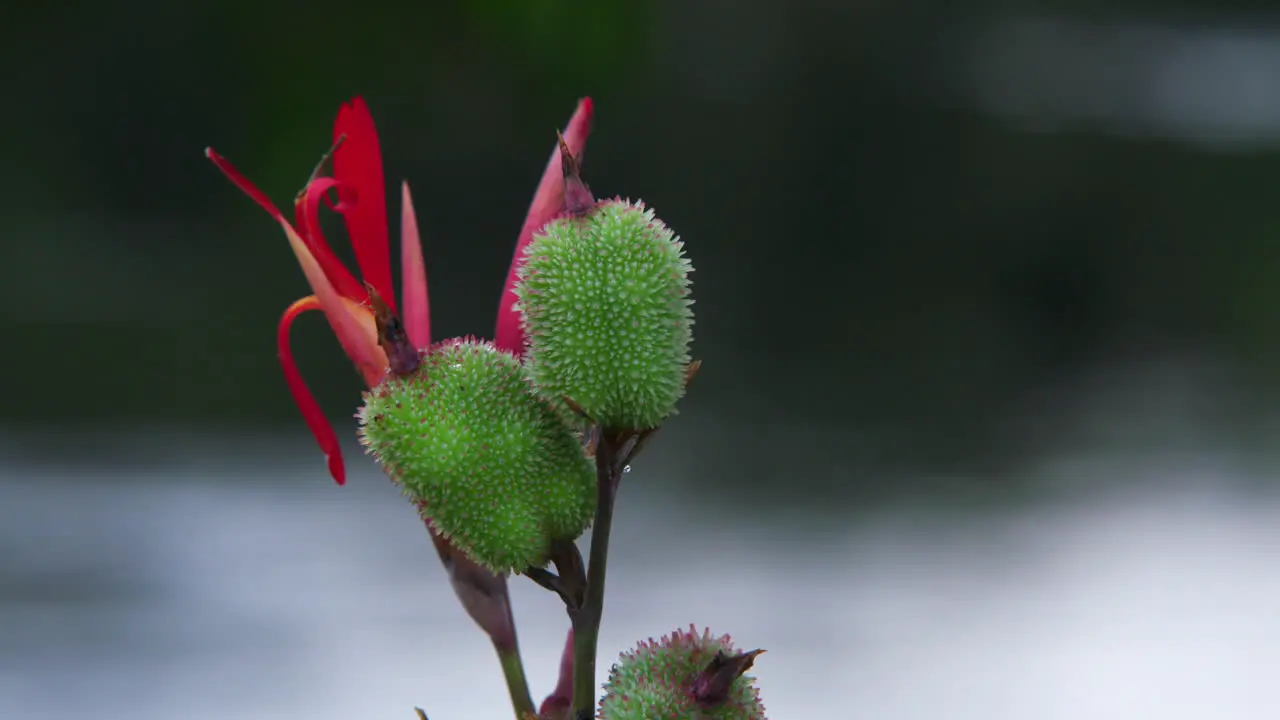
656 680
495 469
606 307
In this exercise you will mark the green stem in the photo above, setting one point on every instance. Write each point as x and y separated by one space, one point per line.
517 685
586 623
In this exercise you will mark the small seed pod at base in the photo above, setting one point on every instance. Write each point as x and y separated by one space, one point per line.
496 469
606 308
684 675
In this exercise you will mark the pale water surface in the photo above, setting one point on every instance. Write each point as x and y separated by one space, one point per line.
208 591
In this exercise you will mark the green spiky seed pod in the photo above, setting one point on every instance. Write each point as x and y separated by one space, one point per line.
606 306
680 677
496 469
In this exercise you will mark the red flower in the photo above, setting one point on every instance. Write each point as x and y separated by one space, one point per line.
345 301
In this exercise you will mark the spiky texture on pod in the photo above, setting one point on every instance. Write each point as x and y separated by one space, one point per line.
606 306
655 681
495 468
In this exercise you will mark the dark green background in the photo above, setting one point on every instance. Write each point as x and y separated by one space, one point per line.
888 277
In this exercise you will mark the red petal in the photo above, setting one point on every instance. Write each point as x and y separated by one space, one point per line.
357 166
307 215
308 225
311 412
417 311
243 183
547 204
353 324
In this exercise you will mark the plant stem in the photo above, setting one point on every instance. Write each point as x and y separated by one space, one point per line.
517 685
586 623
486 599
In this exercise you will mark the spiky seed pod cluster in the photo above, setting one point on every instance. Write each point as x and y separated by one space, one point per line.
659 680
496 468
606 304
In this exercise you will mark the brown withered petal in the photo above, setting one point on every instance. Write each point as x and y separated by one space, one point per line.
577 196
711 687
402 356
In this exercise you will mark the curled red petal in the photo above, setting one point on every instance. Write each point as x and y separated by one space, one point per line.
311 412
307 214
417 309
548 201
357 166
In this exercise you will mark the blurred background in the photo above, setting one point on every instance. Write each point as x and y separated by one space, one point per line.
986 303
